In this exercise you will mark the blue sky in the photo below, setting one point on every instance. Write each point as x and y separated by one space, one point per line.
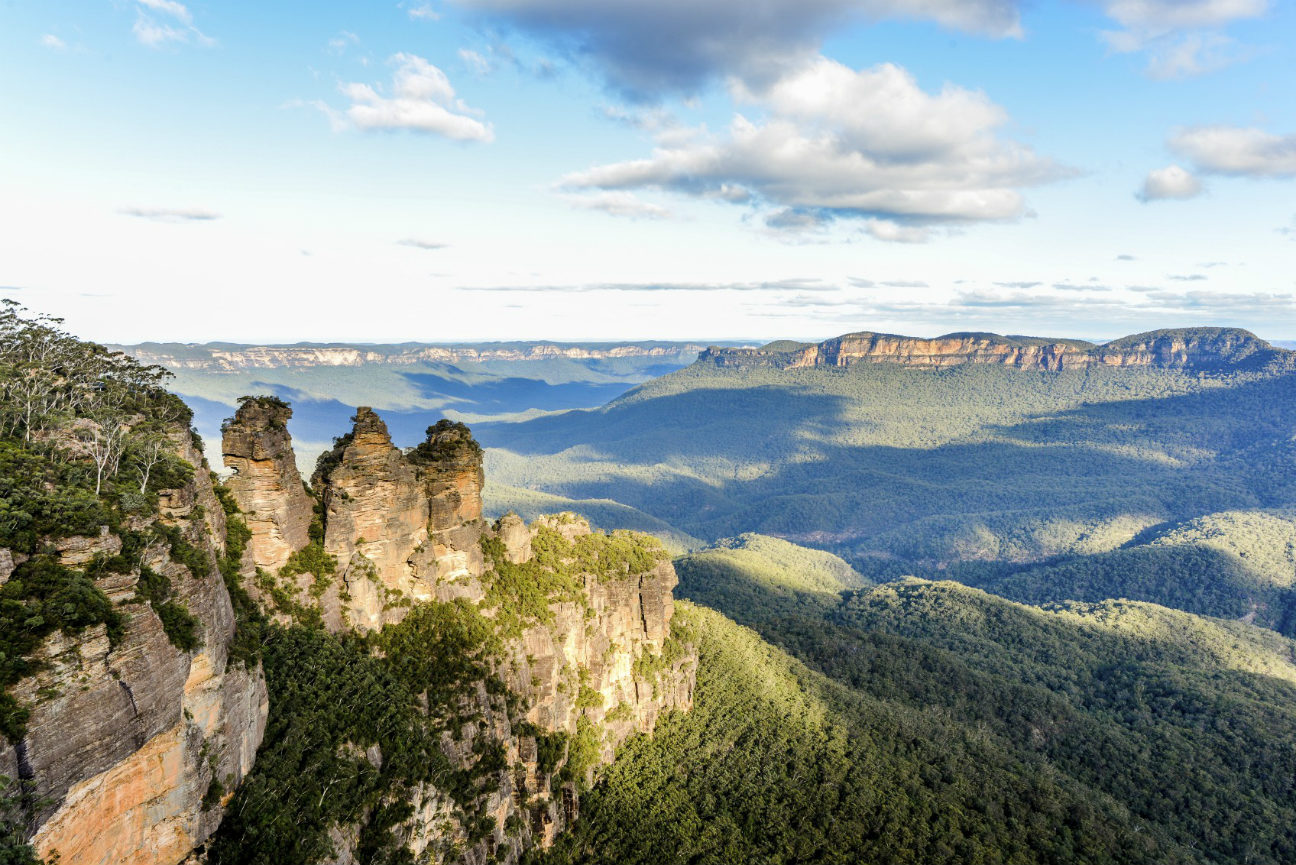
585 169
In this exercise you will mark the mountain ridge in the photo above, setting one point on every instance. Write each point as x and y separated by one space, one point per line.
1180 348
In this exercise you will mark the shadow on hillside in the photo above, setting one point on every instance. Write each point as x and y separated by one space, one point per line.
1166 458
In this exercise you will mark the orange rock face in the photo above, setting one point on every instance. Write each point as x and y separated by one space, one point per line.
266 483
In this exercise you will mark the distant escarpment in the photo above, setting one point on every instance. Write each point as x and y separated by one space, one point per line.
222 357
1197 349
458 682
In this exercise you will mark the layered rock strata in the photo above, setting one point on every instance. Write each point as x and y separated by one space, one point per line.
1200 348
126 738
257 447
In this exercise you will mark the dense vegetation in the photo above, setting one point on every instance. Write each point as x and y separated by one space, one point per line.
751 575
355 728
957 727
1044 486
520 594
886 462
86 442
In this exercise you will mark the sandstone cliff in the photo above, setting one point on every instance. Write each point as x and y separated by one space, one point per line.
265 482
1200 349
582 622
131 740
226 358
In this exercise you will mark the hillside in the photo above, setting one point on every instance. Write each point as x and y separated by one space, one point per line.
957 727
914 470
750 575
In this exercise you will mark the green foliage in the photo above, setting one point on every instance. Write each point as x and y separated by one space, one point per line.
446 440
584 753
758 575
337 700
551 750
42 497
904 470
556 572
180 625
250 623
1145 723
776 764
311 559
14 849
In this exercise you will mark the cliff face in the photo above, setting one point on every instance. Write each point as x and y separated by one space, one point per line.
128 735
219 358
590 661
1196 349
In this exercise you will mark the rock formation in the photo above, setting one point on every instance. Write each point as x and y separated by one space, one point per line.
266 484
1196 349
127 737
403 527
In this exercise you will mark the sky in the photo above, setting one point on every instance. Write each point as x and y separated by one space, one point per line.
464 170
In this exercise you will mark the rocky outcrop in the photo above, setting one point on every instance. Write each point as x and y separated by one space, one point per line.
403 527
599 669
266 484
127 737
1194 349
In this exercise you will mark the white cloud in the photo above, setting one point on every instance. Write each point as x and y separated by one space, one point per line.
180 29
1182 38
424 12
1169 182
171 214
647 47
341 42
421 100
841 143
49 40
1237 151
619 203
476 62
168 7
1157 17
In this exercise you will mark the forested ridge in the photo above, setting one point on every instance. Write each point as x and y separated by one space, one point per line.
926 721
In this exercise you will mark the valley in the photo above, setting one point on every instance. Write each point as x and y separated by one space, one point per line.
972 599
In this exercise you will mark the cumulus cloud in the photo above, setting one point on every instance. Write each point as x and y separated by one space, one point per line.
162 22
49 40
1237 151
625 204
171 214
647 47
420 99
841 143
1172 181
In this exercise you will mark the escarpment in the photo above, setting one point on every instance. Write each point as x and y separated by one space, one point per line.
569 629
1200 349
134 730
